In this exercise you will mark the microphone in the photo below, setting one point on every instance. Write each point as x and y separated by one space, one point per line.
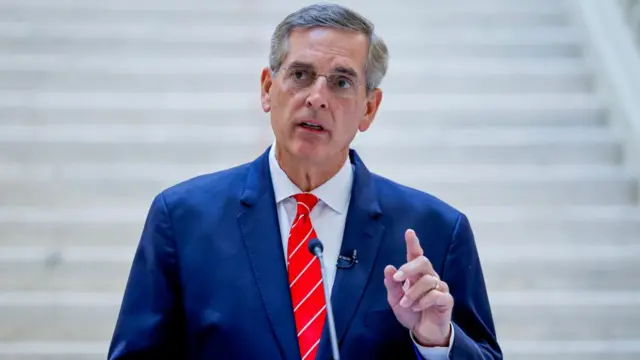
347 261
316 248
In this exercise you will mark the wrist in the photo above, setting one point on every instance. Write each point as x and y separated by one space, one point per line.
429 341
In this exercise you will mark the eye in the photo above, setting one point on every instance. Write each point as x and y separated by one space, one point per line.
343 82
300 74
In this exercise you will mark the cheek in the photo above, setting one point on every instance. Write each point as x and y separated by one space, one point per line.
352 114
292 94
283 108
289 101
278 105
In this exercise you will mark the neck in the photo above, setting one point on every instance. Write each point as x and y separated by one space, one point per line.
305 176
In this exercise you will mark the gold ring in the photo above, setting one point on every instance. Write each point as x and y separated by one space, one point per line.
437 284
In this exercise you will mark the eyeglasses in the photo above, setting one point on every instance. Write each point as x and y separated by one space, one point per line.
340 84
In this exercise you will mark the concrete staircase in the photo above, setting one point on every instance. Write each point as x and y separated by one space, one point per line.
490 105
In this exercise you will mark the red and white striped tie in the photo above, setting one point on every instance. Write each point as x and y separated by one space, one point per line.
305 279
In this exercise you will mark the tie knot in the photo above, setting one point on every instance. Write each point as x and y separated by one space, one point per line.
306 202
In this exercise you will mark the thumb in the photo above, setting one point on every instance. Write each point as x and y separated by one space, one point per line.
414 249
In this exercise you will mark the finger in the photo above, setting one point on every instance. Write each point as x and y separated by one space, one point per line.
415 269
423 286
414 249
394 288
443 287
434 298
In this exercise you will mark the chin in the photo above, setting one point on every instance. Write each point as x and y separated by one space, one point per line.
309 152
313 152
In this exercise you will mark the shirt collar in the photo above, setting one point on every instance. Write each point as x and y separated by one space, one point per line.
336 192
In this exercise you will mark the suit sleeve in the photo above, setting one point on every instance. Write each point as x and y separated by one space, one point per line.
472 320
149 322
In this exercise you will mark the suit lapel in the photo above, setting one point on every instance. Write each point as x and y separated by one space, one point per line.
260 231
363 232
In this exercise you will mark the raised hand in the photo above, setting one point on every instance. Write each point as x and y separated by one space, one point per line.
419 299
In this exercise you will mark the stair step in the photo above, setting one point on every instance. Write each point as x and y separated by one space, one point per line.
585 231
622 349
516 350
170 173
249 101
385 134
21 353
91 317
499 115
599 353
505 253
39 45
526 6
507 267
253 42
225 65
568 322
529 152
617 349
431 13
455 17
460 186
213 33
80 276
49 73
54 350
77 321
104 226
454 110
211 144
569 272
427 83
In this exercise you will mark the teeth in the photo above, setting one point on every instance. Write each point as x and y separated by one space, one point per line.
313 126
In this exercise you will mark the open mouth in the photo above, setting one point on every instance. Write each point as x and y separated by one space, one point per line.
310 126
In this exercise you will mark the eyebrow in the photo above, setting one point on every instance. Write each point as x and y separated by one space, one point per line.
346 71
300 65
339 69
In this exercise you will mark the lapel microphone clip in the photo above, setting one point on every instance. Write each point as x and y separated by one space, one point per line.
347 261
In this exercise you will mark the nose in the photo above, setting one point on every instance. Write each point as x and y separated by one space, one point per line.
319 96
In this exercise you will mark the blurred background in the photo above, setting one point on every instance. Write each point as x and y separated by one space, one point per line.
524 114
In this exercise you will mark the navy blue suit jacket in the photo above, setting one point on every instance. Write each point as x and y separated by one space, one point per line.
209 281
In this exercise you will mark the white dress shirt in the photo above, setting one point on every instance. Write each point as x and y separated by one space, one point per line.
328 218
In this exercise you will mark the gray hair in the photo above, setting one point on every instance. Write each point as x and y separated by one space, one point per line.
332 16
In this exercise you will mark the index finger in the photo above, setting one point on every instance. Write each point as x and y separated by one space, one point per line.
414 250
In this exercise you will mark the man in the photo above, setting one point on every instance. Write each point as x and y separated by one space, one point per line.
222 270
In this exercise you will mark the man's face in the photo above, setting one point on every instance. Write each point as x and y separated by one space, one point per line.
318 99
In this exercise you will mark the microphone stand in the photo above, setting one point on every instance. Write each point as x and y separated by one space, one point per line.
316 248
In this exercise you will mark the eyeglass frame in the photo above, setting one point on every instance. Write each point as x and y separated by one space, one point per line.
340 73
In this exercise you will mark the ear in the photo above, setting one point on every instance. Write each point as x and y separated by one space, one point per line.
371 109
265 87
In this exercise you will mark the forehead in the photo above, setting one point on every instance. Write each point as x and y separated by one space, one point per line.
327 48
